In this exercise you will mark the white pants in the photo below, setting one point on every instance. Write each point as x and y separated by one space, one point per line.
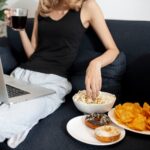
17 119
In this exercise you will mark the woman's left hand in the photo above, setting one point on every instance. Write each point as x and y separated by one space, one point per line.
93 79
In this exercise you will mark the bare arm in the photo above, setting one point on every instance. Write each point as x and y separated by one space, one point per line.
30 46
93 80
96 20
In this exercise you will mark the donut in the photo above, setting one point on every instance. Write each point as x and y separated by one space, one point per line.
96 119
107 133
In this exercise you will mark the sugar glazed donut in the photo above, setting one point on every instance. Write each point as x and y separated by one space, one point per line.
107 133
96 120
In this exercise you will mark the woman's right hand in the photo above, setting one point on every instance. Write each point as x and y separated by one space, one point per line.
7 14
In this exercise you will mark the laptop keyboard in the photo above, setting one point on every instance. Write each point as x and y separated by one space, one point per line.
13 91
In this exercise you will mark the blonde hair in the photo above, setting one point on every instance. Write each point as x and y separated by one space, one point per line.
46 6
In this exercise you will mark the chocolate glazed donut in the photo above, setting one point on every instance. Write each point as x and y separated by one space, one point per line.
96 120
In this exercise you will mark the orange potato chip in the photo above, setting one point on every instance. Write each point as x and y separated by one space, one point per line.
146 109
139 123
127 117
148 123
147 127
133 115
137 108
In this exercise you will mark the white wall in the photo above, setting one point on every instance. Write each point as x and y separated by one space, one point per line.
112 9
126 9
30 4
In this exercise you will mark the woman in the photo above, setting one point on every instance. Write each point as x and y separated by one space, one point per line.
58 28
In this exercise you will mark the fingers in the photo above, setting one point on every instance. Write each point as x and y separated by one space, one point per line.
93 87
7 16
94 90
97 88
88 87
93 79
7 13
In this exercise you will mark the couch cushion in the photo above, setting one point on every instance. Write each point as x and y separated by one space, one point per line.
133 38
7 58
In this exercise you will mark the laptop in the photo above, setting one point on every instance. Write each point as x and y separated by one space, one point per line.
14 91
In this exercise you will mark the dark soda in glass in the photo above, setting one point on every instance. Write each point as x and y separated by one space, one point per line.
19 22
18 18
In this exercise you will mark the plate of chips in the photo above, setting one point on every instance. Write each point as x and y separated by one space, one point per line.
132 117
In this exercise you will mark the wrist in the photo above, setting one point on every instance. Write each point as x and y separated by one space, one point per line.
21 31
96 63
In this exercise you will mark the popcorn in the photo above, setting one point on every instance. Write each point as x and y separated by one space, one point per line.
102 98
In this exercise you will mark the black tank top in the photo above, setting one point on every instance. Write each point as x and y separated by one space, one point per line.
58 44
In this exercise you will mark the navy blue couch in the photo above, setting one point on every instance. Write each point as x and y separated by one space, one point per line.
132 38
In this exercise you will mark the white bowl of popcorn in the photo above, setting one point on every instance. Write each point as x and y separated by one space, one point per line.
101 104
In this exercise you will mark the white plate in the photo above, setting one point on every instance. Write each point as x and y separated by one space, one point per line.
113 119
78 130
